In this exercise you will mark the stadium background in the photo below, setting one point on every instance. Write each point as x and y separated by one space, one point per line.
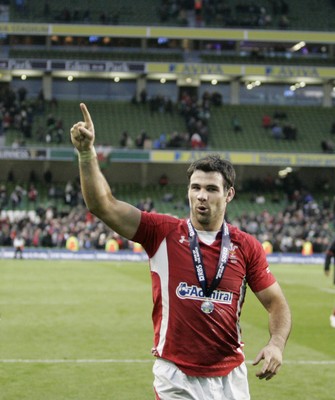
67 328
260 58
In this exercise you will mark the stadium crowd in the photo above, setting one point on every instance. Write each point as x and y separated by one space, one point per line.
303 220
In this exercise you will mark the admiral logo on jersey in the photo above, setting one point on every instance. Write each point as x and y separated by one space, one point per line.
193 292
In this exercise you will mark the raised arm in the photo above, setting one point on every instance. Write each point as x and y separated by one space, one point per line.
275 303
122 217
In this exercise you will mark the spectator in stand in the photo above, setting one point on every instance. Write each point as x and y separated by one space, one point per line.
48 177
177 140
327 146
236 124
7 121
22 94
71 194
168 106
160 142
126 142
290 131
284 22
16 196
198 5
3 196
141 138
196 141
277 131
32 194
58 134
143 96
163 180
87 16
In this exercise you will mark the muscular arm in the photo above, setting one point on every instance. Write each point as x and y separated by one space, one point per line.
122 217
275 303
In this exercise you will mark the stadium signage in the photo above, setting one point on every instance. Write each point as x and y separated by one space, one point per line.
166 156
248 158
269 159
176 69
102 66
10 154
169 32
86 66
197 69
24 154
58 254
4 64
24 64
308 160
23 29
289 71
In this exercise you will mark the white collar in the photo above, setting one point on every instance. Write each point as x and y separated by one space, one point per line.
207 237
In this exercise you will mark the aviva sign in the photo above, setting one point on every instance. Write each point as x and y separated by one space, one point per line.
285 71
273 71
197 69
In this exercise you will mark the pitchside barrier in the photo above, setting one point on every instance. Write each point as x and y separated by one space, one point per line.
126 255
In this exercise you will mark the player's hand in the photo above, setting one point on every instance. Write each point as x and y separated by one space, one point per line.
273 359
82 133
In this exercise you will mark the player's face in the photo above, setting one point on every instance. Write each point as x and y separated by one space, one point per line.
208 200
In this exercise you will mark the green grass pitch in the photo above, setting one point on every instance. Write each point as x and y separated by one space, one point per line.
82 330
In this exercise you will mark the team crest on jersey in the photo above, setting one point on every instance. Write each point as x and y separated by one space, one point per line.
232 253
185 291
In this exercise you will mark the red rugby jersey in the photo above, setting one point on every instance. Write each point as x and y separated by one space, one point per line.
199 344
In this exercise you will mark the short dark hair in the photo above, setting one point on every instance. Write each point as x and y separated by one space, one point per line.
214 163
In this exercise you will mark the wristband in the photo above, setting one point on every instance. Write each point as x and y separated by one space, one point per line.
87 155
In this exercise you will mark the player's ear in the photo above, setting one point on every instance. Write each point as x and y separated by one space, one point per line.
230 194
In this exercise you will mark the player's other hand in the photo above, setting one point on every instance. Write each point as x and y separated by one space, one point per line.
273 359
82 133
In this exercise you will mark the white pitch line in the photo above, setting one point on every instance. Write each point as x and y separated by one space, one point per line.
310 362
139 361
327 290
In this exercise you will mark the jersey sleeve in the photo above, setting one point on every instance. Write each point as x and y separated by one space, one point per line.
152 230
259 276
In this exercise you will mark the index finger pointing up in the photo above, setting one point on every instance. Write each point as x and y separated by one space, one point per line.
86 115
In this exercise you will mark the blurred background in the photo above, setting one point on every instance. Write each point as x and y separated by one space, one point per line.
167 81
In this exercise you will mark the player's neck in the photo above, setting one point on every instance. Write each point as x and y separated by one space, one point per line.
214 226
